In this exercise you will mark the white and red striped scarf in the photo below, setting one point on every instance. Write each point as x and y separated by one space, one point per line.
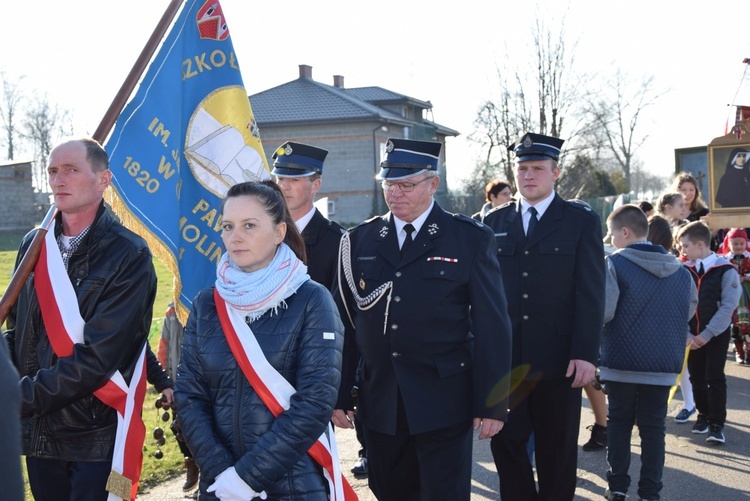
64 326
276 392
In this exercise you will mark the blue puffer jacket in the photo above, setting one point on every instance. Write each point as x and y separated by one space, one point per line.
226 423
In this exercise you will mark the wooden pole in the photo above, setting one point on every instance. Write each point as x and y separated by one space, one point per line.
27 264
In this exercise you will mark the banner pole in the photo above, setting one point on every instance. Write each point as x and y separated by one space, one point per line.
31 256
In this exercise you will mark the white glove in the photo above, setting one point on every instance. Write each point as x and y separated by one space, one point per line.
229 486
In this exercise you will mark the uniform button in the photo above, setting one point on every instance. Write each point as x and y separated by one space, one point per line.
463 364
524 274
499 249
398 274
525 317
394 327
442 272
557 249
526 253
397 298
395 354
525 296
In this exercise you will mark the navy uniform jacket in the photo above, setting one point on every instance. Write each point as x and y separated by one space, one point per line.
322 239
445 342
554 285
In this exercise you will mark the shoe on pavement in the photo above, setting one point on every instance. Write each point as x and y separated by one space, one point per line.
684 415
614 496
191 478
701 425
598 440
715 434
360 467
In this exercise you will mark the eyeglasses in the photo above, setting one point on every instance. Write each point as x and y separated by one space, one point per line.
404 187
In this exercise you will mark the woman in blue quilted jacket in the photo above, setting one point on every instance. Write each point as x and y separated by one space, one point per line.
260 365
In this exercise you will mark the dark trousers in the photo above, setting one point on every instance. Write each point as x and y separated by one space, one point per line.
646 405
551 409
706 366
427 466
56 480
360 431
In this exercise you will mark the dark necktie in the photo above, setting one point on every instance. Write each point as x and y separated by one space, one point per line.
409 229
700 270
532 222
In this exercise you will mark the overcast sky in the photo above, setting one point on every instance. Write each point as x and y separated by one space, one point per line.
445 52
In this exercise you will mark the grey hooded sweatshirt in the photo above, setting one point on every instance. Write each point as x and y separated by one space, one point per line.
650 297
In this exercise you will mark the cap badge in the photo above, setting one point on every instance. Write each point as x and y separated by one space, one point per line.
288 150
389 146
432 228
528 143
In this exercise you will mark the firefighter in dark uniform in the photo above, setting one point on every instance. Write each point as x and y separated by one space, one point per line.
552 260
423 290
299 169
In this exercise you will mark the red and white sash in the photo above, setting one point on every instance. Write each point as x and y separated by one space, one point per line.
276 392
64 326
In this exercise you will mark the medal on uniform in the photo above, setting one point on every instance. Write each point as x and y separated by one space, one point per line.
362 283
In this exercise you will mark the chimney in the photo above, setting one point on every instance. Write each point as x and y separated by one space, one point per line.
305 71
338 81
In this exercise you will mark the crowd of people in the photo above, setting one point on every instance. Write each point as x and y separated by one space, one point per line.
420 328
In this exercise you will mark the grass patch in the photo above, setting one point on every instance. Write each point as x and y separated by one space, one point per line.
154 470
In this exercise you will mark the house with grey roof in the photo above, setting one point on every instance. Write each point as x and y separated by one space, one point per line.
353 125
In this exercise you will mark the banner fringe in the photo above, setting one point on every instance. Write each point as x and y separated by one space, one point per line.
158 249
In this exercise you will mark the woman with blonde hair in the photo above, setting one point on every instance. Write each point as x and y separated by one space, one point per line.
670 206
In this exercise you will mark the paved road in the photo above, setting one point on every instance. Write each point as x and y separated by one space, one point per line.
694 469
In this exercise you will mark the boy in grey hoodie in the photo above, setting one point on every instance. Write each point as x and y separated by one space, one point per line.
650 298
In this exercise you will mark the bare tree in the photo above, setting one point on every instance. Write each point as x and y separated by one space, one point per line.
45 124
553 88
12 100
615 113
546 91
494 132
646 184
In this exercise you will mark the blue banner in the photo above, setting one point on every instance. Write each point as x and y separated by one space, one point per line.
182 141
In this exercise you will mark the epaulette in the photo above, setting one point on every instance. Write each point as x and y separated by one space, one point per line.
579 204
335 227
495 209
466 219
365 223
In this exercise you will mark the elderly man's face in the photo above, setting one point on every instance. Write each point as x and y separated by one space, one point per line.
409 197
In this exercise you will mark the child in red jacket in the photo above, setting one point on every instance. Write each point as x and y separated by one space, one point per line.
736 241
